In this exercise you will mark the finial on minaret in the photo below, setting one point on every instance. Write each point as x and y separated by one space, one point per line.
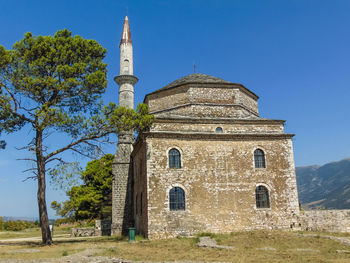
126 35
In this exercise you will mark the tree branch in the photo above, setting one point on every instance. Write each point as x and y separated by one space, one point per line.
26 159
30 177
55 159
30 170
80 152
71 145
12 96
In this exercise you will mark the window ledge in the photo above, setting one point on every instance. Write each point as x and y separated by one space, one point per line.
262 209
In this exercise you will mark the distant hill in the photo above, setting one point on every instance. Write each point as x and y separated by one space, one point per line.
14 218
326 186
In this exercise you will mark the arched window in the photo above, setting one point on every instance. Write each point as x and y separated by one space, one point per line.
219 130
262 197
126 66
259 159
174 158
177 199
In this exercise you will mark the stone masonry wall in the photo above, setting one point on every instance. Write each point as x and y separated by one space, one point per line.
140 189
82 232
325 220
219 179
207 110
103 227
250 103
201 100
168 99
122 216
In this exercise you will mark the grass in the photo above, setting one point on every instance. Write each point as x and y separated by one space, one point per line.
246 244
31 232
36 251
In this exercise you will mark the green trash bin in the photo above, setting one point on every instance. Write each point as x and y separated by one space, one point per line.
131 234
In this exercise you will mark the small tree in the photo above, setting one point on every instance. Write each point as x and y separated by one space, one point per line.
92 199
53 84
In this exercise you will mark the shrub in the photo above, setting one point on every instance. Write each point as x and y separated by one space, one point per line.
15 225
2 224
18 225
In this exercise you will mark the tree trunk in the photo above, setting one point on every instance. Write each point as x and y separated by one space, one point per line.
44 219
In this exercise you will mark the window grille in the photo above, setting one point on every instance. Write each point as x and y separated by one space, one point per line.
262 197
174 158
177 199
259 159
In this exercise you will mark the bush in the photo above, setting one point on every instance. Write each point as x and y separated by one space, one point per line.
18 225
2 224
15 225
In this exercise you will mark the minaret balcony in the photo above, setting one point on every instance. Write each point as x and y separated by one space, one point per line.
126 79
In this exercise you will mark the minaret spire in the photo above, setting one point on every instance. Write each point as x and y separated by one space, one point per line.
126 35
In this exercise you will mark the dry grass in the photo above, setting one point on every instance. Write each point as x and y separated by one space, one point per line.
246 243
31 232
36 251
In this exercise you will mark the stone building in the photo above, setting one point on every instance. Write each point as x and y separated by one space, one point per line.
209 163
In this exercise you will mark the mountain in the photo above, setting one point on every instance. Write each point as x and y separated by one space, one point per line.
326 186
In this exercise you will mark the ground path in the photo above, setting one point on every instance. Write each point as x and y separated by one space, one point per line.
65 237
89 254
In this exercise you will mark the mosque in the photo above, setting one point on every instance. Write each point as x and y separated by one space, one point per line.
209 163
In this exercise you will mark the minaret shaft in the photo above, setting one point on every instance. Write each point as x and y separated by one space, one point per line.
126 59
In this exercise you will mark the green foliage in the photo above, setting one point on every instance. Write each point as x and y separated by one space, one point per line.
65 175
56 76
15 225
18 225
55 83
2 224
92 199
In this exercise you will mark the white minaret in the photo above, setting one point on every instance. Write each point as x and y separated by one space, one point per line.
122 196
126 80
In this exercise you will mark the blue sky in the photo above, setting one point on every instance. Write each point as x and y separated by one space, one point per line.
294 54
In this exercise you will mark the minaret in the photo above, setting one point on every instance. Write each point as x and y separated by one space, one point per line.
122 217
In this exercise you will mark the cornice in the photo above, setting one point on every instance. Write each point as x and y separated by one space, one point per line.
207 120
217 136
